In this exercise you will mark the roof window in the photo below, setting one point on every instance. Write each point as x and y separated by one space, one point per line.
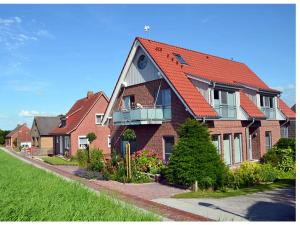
180 59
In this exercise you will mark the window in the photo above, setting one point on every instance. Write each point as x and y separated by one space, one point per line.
238 148
82 142
227 149
285 132
224 103
109 141
268 140
266 101
168 147
180 59
99 117
57 139
128 102
216 139
67 142
164 97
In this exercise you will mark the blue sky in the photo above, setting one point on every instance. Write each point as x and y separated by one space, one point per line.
51 55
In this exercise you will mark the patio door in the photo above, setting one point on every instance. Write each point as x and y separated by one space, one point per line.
61 151
238 150
227 149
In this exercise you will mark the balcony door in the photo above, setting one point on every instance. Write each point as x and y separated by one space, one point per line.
224 103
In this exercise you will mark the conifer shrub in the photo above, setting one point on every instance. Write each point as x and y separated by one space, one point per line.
195 158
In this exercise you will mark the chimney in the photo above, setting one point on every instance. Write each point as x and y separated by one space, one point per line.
89 94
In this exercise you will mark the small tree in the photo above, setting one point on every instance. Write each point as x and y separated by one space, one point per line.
195 158
129 135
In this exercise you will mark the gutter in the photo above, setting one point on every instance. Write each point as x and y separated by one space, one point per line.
248 140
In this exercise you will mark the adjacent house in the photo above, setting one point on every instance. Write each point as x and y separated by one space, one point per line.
85 116
288 126
18 137
161 85
42 140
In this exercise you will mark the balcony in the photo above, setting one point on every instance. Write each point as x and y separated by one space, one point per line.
269 112
139 116
226 111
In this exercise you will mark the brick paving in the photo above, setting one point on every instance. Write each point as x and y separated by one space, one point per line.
141 200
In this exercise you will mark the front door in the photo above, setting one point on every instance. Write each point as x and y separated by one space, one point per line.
168 147
61 151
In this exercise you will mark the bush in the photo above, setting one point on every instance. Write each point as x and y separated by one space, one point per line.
285 143
82 157
129 135
195 158
267 173
147 162
96 160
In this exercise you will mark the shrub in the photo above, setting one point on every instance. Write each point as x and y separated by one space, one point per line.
147 162
96 160
82 157
267 173
195 158
247 174
284 143
129 135
91 137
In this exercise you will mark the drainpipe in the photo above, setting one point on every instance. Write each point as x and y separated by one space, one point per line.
203 121
247 138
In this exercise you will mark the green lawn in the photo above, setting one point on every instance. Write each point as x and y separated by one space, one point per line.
54 160
31 194
232 192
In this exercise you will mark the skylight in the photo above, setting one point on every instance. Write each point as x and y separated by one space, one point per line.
180 59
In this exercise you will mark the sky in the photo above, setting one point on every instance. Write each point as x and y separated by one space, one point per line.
51 55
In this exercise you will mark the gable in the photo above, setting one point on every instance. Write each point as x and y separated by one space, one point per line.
34 130
136 75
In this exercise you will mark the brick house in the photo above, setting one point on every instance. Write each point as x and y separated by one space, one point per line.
288 127
84 117
42 140
161 85
18 137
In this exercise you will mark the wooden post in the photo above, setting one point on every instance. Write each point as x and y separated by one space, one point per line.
128 161
195 186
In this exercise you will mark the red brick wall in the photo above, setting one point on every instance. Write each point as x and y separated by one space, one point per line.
89 125
150 136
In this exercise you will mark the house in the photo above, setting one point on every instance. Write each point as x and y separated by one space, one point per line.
288 126
161 85
84 117
42 140
18 137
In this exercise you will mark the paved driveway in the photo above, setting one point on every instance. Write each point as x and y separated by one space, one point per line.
275 205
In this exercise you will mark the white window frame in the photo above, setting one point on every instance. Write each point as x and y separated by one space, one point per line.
81 136
270 147
101 116
219 142
67 142
109 141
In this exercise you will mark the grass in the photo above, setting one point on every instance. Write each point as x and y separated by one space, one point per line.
31 194
54 160
238 192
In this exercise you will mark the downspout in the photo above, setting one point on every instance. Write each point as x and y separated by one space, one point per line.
203 120
247 138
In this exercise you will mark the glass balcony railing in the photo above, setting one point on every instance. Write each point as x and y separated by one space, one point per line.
226 111
269 112
149 115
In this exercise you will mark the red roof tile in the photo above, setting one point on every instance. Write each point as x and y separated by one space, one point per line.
249 107
289 113
205 66
78 112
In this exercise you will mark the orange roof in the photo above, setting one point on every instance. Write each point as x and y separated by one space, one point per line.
78 112
201 65
289 113
249 107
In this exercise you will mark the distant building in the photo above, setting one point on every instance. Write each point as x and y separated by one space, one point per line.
18 137
288 127
42 140
85 116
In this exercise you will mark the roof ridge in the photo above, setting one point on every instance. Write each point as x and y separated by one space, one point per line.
187 49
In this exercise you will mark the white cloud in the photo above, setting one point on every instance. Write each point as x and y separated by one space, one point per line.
27 113
44 33
32 113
